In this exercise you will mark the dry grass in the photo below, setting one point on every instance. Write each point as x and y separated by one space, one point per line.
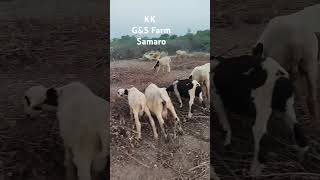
185 157
51 52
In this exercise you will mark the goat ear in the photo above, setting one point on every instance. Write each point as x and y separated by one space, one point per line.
126 92
258 50
52 97
157 64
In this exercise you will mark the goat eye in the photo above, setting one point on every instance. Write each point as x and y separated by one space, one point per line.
37 108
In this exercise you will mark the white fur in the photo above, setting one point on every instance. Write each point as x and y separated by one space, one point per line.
164 63
83 118
201 75
155 97
306 18
262 101
36 96
138 105
181 54
292 41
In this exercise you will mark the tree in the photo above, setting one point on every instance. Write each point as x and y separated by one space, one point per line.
172 37
127 47
164 36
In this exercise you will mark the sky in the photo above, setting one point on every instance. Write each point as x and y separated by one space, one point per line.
178 15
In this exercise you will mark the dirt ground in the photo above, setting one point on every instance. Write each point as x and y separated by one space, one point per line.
51 52
181 158
241 22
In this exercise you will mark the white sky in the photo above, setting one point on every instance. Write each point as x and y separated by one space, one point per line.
178 15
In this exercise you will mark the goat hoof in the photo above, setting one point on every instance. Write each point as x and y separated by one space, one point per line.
302 152
227 142
138 139
180 132
166 139
156 137
256 169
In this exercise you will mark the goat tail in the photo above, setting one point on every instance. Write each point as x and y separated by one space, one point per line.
164 109
164 112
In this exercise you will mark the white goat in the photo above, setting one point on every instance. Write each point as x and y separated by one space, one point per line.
158 102
163 62
138 105
292 40
201 74
83 126
181 54
33 100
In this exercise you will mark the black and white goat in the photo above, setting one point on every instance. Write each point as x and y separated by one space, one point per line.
187 88
258 87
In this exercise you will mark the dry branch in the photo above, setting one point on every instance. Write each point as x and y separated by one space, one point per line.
137 160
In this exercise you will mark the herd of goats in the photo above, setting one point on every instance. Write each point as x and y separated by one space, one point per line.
260 84
157 100
264 83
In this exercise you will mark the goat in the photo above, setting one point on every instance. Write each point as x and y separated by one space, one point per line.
187 88
163 62
257 87
181 54
138 105
83 126
293 41
201 75
158 101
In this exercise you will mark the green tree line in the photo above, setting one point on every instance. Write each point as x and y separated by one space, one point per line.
126 47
